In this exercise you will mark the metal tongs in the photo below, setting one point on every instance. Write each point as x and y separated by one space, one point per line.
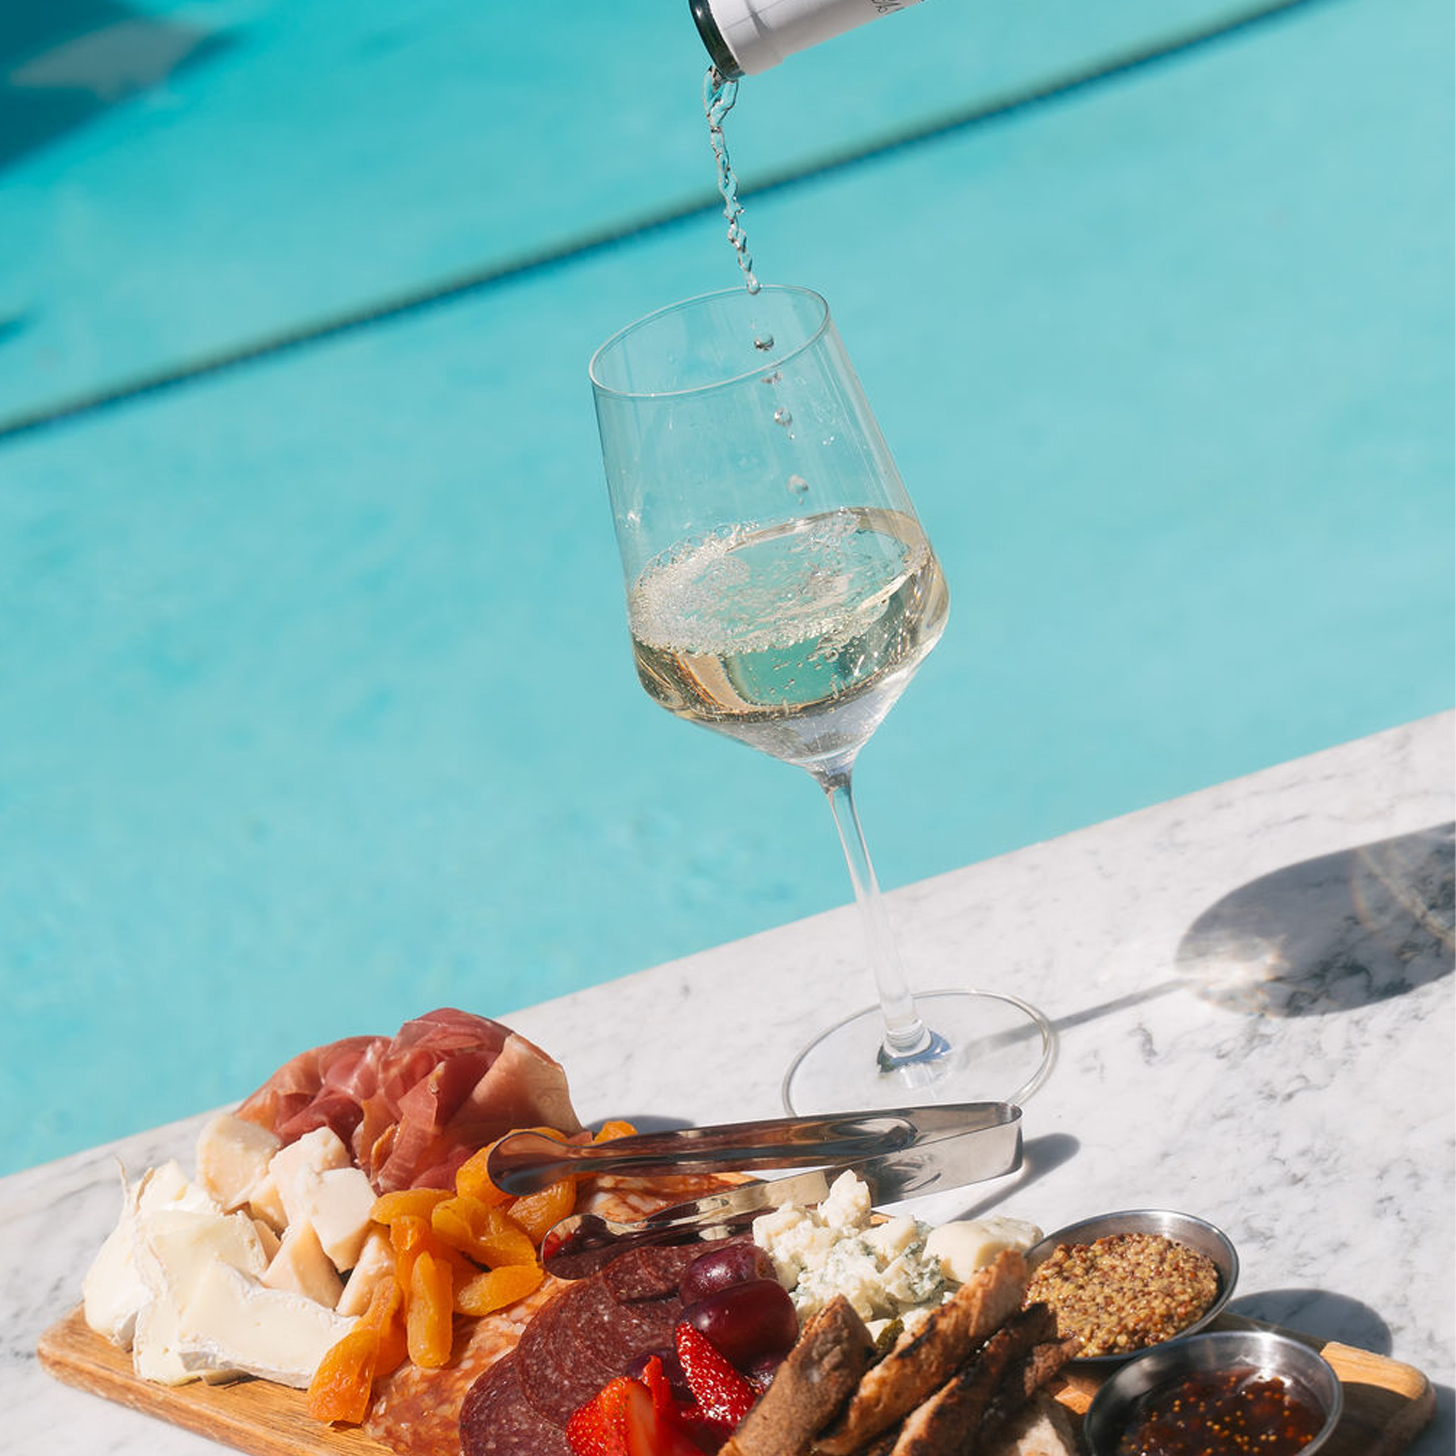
899 1152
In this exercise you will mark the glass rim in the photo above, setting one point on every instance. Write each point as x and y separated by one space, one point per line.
769 360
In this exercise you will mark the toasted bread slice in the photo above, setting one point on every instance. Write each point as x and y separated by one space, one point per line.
950 1421
922 1362
819 1374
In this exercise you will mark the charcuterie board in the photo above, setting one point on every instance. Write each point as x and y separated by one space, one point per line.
1386 1403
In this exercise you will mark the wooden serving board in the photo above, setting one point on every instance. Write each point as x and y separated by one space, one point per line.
250 1415
1386 1403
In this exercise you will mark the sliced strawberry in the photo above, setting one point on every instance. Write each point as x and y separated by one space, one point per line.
652 1431
654 1377
599 1428
723 1396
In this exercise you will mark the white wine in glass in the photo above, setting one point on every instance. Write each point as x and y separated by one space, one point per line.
781 590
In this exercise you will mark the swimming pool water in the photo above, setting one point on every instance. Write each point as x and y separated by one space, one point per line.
319 705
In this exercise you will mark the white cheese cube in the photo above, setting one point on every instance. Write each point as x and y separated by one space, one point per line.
294 1169
339 1202
374 1265
849 1269
891 1238
908 1281
963 1247
281 1195
301 1267
795 1242
232 1322
265 1205
232 1155
847 1209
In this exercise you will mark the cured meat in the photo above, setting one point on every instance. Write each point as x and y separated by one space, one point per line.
581 1340
498 1420
647 1273
317 1088
573 1349
414 1106
417 1411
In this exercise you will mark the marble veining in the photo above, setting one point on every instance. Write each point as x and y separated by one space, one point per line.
1253 993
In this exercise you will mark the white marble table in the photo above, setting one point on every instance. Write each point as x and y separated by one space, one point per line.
1254 994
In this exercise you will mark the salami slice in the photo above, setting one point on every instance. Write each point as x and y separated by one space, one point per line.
498 1420
576 1353
650 1271
644 1325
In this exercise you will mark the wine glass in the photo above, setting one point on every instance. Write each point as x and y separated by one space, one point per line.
780 590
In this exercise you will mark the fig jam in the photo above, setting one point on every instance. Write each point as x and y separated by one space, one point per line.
1222 1413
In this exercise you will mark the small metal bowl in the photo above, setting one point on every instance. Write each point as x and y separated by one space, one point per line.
1115 1405
1183 1228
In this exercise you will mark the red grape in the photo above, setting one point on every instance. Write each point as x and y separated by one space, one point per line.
746 1321
734 1263
761 1370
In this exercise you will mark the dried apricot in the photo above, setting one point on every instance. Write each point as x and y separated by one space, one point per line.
429 1311
406 1203
344 1381
487 1235
539 1212
614 1129
472 1178
495 1288
385 1316
410 1235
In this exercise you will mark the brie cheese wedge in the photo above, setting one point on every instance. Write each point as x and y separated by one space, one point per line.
175 1250
232 1322
114 1290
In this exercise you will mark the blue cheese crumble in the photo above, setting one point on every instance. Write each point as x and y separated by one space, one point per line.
895 1268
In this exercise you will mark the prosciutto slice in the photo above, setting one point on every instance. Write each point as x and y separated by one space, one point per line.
415 1105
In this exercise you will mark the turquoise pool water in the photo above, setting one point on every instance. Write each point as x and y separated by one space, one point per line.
318 702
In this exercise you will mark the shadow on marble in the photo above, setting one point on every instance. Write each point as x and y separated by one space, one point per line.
1320 1314
1039 1156
1439 1438
654 1121
1329 934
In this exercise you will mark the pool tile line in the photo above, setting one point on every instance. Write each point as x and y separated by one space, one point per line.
441 294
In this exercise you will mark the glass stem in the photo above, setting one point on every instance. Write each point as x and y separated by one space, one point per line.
905 1032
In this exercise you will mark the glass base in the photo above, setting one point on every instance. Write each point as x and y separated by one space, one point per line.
985 1047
